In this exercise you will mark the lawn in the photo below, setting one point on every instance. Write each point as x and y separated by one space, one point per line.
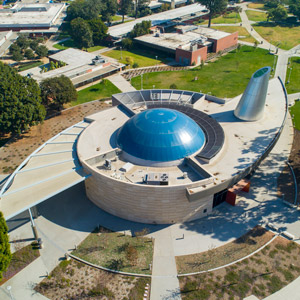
143 57
70 44
65 45
29 65
103 89
95 48
294 83
230 18
117 251
282 37
256 16
226 77
256 5
116 18
261 275
295 113
243 33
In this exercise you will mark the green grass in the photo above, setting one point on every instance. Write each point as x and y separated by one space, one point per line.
294 83
63 35
230 18
65 45
95 48
70 44
143 57
282 37
116 18
29 65
110 249
100 90
295 113
256 16
244 35
226 77
256 5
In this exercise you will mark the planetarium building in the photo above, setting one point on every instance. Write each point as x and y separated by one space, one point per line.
166 156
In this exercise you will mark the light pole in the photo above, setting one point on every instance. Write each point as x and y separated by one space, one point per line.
156 60
9 290
141 81
289 75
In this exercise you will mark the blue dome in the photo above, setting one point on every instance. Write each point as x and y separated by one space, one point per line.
160 135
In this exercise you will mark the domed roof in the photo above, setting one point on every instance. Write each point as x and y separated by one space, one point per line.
160 135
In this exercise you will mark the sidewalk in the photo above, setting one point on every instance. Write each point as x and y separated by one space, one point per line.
121 83
164 284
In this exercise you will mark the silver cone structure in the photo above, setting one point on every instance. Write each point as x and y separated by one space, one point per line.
251 105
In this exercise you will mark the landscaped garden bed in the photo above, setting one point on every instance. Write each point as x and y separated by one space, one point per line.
261 275
74 280
217 257
116 251
21 259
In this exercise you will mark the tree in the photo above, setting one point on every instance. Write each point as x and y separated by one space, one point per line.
140 29
41 51
127 43
110 8
5 254
277 14
214 7
29 54
14 48
81 33
85 9
125 8
294 8
141 8
20 101
57 91
34 44
99 30
17 56
271 3
23 41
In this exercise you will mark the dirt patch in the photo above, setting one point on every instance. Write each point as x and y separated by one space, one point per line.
75 280
261 275
18 148
217 257
285 182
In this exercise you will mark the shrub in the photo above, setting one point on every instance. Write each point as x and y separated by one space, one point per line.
131 254
190 286
135 65
173 86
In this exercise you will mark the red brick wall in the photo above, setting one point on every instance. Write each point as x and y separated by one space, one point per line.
192 56
225 42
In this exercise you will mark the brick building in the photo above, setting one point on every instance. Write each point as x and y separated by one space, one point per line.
190 44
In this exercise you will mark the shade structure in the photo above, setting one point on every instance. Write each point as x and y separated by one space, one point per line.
160 135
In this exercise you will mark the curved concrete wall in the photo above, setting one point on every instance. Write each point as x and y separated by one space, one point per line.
142 203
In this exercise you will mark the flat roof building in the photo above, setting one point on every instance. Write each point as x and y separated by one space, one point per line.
33 16
190 43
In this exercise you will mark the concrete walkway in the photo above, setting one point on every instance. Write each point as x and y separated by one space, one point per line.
121 83
164 284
